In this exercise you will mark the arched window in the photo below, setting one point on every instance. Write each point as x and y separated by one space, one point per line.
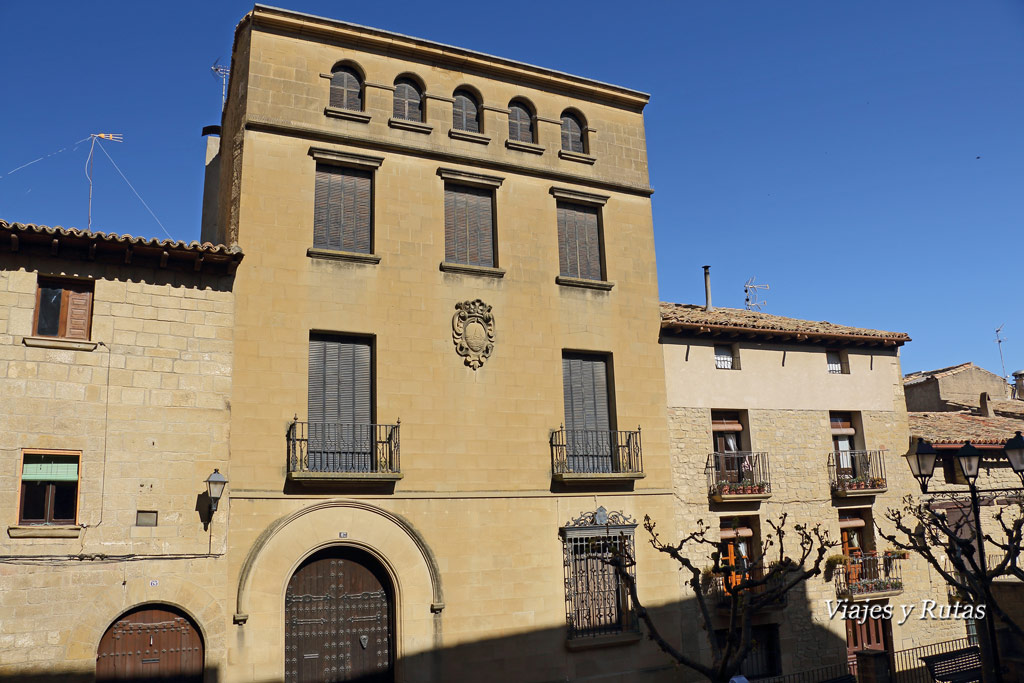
520 122
346 89
466 112
408 100
572 133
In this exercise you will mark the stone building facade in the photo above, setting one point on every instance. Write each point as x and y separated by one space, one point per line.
772 415
953 388
446 368
115 382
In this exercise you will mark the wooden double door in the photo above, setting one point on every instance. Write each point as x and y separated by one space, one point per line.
339 616
151 643
873 634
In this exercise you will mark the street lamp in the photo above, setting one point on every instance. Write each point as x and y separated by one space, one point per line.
970 462
215 484
1015 452
921 458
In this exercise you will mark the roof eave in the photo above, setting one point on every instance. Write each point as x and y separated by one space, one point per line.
782 335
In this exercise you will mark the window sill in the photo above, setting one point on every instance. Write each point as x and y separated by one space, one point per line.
347 114
590 478
466 269
602 285
576 156
60 343
469 137
44 531
524 146
414 126
337 255
611 640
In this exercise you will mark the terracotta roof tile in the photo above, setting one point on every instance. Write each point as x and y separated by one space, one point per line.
176 245
924 375
693 318
949 428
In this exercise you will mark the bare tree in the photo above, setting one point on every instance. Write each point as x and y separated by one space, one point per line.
758 583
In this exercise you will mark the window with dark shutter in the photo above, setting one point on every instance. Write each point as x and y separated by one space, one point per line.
408 100
346 89
520 123
49 489
579 241
468 225
340 410
588 425
572 134
342 215
465 112
63 309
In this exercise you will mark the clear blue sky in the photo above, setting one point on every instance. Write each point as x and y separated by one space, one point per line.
863 157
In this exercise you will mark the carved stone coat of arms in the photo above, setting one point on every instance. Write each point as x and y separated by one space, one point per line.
473 332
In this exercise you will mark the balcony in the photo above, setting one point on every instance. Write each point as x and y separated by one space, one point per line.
325 452
585 456
869 577
738 476
722 587
857 473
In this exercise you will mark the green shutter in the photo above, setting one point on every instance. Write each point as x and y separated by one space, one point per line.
50 468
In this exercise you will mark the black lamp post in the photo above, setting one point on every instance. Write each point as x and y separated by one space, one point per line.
921 458
215 484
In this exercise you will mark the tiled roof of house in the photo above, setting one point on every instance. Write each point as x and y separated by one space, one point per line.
955 428
923 375
695 319
75 244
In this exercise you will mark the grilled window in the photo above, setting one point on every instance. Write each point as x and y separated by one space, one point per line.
837 363
597 598
726 357
408 100
465 112
340 409
342 214
49 489
572 134
520 123
346 89
469 225
63 309
579 241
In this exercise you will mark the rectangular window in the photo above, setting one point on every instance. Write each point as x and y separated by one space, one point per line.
63 308
837 363
469 225
342 211
737 547
579 241
727 357
145 518
49 489
341 433
597 598
586 391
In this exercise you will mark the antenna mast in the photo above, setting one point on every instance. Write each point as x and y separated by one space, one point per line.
113 137
999 342
222 72
753 303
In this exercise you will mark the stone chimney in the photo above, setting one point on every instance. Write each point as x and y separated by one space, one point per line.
986 409
707 289
1018 385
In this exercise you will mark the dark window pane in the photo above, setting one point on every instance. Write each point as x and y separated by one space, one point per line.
64 499
33 501
49 311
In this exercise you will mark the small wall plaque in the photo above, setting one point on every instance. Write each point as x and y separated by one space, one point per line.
342 534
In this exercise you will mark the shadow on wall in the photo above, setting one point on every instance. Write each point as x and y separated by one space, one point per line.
541 655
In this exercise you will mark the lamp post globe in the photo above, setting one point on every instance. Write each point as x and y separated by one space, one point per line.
921 458
215 484
969 458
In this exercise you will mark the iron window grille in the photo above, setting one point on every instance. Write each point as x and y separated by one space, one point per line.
837 365
597 600
726 357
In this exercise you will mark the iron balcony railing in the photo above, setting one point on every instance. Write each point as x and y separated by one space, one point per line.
343 447
596 451
869 574
719 590
738 473
852 471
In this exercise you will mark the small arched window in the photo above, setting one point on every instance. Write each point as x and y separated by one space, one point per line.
520 122
466 112
408 100
572 134
346 89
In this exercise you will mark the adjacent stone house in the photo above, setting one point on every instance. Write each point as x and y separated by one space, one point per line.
953 388
115 381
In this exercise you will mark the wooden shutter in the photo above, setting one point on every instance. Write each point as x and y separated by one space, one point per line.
579 241
585 391
464 113
79 307
346 90
339 381
341 209
407 101
572 134
520 124
468 225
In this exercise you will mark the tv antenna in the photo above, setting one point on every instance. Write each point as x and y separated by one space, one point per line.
113 137
999 343
754 302
218 70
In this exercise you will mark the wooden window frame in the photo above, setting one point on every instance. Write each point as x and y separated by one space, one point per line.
516 125
350 338
450 185
460 125
584 147
48 519
360 81
404 114
734 355
67 287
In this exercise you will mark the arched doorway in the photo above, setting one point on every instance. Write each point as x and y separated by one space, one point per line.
339 611
152 642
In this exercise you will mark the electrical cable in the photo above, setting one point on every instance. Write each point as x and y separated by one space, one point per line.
74 146
134 190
